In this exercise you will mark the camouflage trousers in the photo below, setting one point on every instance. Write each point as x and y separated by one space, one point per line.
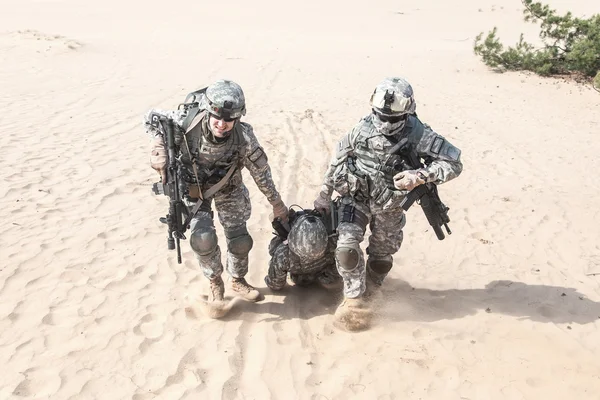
233 209
385 240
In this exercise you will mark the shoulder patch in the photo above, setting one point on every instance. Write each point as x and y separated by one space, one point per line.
436 145
258 157
343 146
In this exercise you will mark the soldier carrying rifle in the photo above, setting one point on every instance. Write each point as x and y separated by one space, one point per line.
373 168
199 151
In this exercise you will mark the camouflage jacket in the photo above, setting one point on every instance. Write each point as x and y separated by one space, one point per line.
213 159
362 161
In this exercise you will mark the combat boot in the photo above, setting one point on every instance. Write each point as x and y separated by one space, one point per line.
241 287
273 284
353 314
372 291
217 289
329 280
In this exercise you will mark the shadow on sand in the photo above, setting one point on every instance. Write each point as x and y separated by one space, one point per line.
402 302
539 303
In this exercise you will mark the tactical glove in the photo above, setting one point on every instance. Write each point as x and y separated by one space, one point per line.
158 157
408 180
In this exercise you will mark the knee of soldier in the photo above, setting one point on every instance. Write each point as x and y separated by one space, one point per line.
204 241
239 241
380 264
347 257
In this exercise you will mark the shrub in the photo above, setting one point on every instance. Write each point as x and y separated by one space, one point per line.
570 45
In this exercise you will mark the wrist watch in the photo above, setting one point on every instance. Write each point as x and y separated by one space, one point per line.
421 175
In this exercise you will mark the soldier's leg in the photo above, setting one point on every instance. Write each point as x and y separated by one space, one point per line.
385 240
204 243
330 278
349 258
354 312
234 208
278 265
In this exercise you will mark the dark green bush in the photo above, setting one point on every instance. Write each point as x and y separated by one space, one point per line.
571 45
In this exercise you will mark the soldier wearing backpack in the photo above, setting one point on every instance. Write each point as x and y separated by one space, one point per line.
215 145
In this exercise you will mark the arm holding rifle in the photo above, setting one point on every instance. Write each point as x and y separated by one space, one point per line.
441 164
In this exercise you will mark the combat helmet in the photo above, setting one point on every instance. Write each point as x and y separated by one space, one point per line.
225 99
392 102
308 237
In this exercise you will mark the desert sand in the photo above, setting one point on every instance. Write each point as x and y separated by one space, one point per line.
94 306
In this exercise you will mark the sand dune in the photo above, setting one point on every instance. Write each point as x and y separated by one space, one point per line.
94 306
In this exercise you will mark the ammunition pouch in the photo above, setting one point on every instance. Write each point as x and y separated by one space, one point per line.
349 182
216 176
206 178
349 213
193 192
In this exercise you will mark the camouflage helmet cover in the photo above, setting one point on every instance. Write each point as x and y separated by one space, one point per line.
308 237
393 97
224 98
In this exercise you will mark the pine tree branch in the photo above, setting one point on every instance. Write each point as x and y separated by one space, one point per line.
535 16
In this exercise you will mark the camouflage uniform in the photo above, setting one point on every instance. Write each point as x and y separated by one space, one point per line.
207 159
362 172
313 260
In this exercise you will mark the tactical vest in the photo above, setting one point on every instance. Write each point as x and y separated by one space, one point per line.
212 159
371 159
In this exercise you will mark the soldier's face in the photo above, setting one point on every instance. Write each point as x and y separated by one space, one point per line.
220 127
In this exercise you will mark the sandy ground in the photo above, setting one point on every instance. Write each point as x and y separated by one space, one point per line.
94 306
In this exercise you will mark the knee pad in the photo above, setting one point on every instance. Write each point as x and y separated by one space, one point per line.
380 265
347 257
239 241
204 241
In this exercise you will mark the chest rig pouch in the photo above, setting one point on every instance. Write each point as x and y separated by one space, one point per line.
212 164
348 180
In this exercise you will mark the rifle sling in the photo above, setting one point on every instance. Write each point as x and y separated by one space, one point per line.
213 189
192 119
208 194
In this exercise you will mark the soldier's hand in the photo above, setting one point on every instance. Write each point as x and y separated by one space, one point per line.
321 203
408 180
280 210
163 175
158 157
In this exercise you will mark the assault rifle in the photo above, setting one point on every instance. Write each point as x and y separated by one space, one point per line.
426 195
175 187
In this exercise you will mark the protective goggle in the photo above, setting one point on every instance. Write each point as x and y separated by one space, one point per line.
226 112
392 119
226 118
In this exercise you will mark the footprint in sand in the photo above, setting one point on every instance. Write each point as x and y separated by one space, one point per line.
150 327
46 42
481 237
